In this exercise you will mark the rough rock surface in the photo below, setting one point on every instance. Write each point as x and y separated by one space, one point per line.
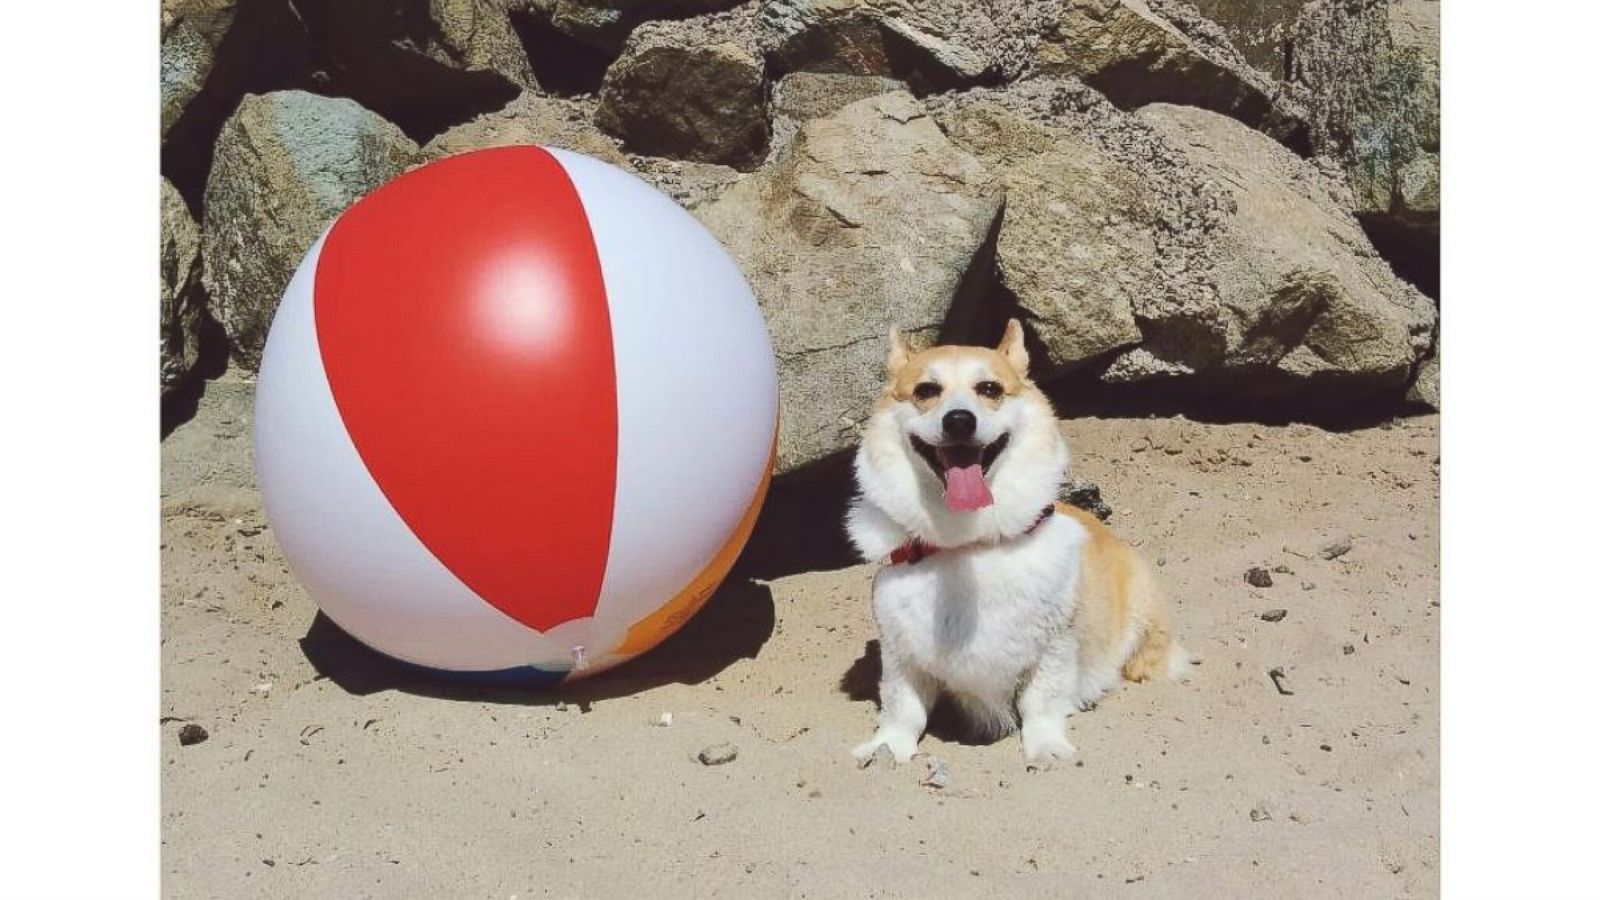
212 53
802 96
424 66
1260 29
1133 52
1370 77
1425 388
1301 292
1190 245
871 218
530 119
1077 244
933 45
692 89
692 184
182 303
286 164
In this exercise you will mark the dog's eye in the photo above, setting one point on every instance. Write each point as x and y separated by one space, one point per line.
989 389
926 390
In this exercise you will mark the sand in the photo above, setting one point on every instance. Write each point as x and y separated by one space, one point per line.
327 772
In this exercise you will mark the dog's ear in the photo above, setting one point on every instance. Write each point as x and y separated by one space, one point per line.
1011 348
899 352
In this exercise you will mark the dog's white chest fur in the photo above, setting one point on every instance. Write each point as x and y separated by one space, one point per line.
978 618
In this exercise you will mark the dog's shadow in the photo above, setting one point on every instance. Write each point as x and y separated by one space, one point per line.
945 722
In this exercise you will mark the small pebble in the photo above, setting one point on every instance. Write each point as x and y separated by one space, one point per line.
1274 615
882 757
1260 813
1258 577
664 720
1282 569
718 754
938 776
1336 549
192 734
1308 585
1349 649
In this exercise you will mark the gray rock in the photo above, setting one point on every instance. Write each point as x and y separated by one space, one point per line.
1261 29
1133 52
191 734
424 66
605 24
718 754
286 164
1274 615
1301 293
802 96
1077 245
882 757
1336 547
531 119
871 218
692 184
182 302
933 45
1085 495
1369 73
212 53
1424 388
1184 246
1258 577
690 89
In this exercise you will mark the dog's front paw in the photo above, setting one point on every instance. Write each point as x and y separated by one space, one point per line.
900 744
1045 745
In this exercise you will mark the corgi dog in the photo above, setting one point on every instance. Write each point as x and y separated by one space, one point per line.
1020 609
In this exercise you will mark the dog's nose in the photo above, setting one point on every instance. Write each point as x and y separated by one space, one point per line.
960 424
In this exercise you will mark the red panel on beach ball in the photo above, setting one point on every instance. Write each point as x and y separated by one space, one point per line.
463 323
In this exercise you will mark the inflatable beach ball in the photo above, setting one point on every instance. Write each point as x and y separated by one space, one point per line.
515 416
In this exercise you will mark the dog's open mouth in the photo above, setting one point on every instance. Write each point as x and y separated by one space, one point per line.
962 468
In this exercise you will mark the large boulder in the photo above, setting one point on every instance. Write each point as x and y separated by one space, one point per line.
213 52
1134 53
1077 246
530 119
1369 70
1176 244
286 164
870 218
182 303
690 89
933 45
1305 300
424 66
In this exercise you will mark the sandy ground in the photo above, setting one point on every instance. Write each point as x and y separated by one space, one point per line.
329 773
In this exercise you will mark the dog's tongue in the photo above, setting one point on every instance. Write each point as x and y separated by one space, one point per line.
964 488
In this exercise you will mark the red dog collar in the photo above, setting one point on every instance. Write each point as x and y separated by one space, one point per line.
916 550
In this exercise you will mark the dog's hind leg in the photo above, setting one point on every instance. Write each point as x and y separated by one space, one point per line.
906 696
1049 696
